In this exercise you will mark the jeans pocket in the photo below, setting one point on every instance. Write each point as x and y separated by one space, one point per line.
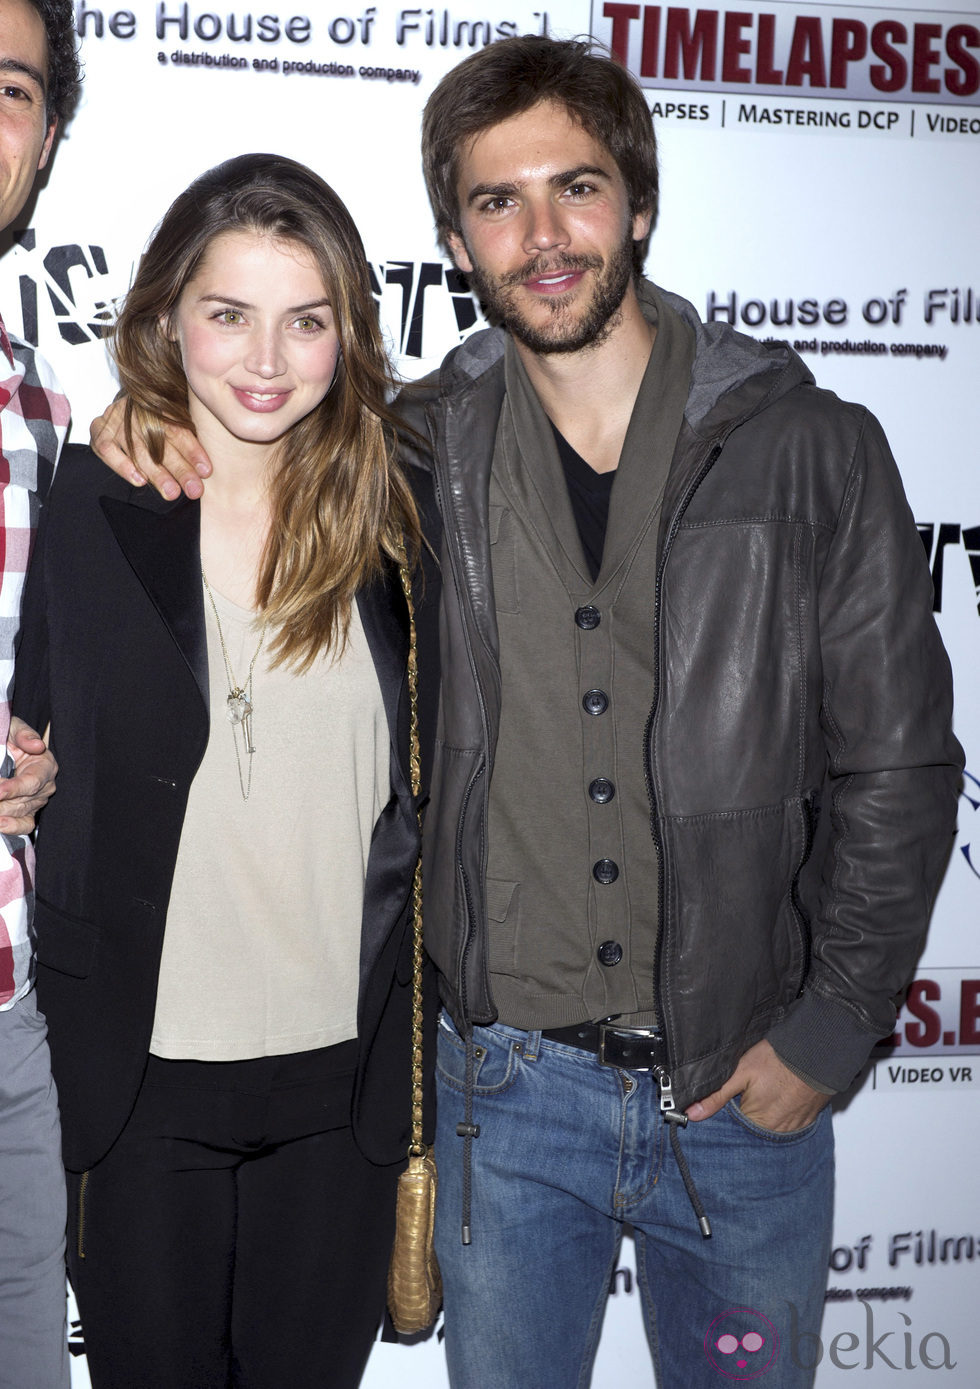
734 1109
496 1059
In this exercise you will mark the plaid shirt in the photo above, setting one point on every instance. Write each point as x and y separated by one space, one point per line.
33 424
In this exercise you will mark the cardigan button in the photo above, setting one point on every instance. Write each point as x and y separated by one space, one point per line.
605 871
595 702
601 790
610 953
588 618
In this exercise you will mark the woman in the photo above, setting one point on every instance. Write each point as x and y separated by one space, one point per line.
222 902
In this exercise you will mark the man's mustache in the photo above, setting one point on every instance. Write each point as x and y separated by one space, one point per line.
549 265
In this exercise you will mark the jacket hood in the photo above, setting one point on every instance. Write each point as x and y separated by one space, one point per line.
730 369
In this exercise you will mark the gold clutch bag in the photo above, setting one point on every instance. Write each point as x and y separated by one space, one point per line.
414 1283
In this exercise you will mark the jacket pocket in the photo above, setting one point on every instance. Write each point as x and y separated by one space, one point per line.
810 813
64 943
503 915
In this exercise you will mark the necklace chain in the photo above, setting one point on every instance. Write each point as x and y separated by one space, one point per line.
239 702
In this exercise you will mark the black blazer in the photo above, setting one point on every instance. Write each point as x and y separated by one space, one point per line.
113 654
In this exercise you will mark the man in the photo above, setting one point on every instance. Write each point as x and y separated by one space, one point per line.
39 71
695 782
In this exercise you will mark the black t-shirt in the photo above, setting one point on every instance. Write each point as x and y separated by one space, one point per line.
589 493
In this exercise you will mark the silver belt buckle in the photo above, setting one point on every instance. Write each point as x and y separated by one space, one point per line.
618 1054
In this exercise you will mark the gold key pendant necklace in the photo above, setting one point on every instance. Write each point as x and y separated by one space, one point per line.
239 702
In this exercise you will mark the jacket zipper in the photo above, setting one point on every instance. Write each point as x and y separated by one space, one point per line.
467 895
658 992
466 1129
82 1190
462 588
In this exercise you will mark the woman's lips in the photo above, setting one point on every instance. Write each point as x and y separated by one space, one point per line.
262 402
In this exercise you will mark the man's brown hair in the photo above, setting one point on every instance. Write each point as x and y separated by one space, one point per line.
506 79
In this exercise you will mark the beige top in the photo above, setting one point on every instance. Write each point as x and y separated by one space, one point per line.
260 955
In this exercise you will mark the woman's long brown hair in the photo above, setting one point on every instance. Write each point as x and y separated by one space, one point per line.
339 499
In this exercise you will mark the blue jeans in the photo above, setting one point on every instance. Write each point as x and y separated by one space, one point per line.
569 1151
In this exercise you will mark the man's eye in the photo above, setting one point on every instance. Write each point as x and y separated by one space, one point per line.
14 93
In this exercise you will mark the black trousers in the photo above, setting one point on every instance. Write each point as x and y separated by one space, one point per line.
234 1237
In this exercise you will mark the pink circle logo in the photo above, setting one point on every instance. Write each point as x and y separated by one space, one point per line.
742 1344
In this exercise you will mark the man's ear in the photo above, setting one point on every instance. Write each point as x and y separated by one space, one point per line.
641 224
458 251
48 142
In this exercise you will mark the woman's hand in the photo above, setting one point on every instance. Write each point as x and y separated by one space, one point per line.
184 461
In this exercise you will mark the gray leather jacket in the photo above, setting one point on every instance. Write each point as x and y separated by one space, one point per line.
801 767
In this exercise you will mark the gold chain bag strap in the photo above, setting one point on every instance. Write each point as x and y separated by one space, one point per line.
414 1282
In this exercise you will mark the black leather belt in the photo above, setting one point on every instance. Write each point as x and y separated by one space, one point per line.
628 1048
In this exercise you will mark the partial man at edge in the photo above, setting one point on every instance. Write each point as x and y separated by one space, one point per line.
40 81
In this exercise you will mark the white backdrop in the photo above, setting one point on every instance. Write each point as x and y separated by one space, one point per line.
821 182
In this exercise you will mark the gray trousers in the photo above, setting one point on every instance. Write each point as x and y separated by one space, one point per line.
33 1339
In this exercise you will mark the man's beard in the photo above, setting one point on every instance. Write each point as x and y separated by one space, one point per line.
564 332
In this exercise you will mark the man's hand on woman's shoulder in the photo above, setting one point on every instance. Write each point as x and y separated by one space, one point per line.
184 462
